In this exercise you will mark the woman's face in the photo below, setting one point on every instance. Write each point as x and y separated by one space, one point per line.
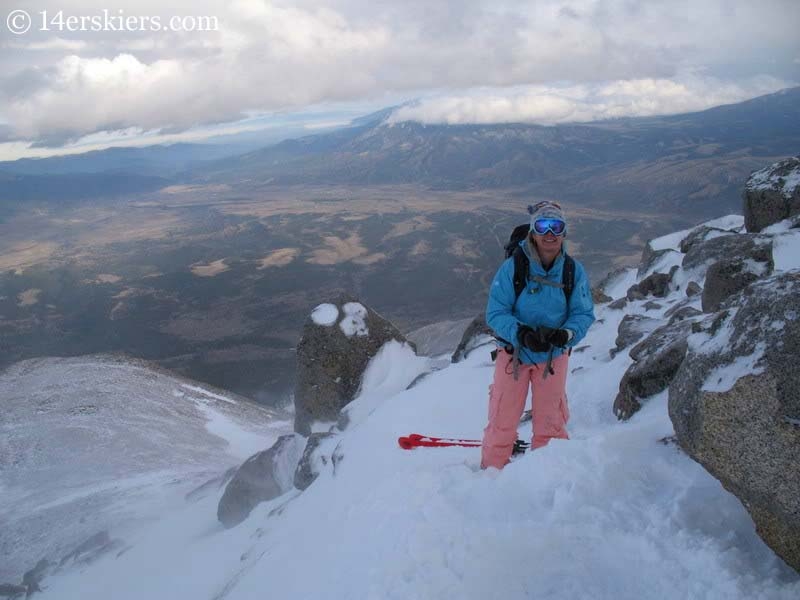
548 245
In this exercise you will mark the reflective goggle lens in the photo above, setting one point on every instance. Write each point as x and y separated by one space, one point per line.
542 226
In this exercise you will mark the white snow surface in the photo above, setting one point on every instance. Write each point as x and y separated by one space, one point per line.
786 250
766 179
617 286
728 222
722 379
671 241
101 443
612 513
353 322
325 314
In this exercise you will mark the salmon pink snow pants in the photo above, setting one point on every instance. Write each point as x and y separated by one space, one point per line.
507 401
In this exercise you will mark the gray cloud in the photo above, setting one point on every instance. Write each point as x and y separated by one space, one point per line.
551 105
475 56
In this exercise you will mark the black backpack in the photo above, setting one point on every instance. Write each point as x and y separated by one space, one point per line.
522 264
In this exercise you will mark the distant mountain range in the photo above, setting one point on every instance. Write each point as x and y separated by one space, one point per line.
695 161
703 156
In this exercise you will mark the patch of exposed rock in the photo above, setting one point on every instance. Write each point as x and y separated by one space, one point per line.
655 284
701 234
313 460
338 341
262 477
726 277
632 329
735 405
477 334
656 360
743 246
772 194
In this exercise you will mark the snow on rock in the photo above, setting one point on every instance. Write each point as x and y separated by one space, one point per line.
331 362
730 397
617 285
388 373
325 315
264 476
734 223
354 320
724 377
783 176
772 194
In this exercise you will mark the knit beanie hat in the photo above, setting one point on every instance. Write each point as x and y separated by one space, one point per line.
546 210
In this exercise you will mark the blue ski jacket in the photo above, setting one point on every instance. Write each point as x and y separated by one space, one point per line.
539 304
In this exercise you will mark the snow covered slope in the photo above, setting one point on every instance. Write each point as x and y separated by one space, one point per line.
99 443
616 512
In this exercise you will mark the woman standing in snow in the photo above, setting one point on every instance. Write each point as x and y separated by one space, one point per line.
541 329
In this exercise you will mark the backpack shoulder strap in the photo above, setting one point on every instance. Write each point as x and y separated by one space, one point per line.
568 277
521 266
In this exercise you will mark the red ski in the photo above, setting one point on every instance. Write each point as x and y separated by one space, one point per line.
416 440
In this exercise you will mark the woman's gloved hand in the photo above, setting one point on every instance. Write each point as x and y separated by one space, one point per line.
559 337
532 339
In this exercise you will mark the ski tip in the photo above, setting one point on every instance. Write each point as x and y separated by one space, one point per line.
405 443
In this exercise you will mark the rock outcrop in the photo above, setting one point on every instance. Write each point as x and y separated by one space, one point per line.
728 276
632 329
651 257
655 284
339 340
743 246
263 476
735 405
772 194
656 360
312 461
438 339
702 234
476 334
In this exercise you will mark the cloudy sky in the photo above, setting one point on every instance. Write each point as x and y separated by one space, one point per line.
87 73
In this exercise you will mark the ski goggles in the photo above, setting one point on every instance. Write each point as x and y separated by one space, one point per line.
554 226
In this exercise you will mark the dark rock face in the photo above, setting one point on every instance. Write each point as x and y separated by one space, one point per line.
655 284
263 476
650 257
331 360
599 296
33 577
693 288
308 467
772 194
657 359
726 277
743 246
473 337
684 313
10 590
701 234
618 304
746 431
632 329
